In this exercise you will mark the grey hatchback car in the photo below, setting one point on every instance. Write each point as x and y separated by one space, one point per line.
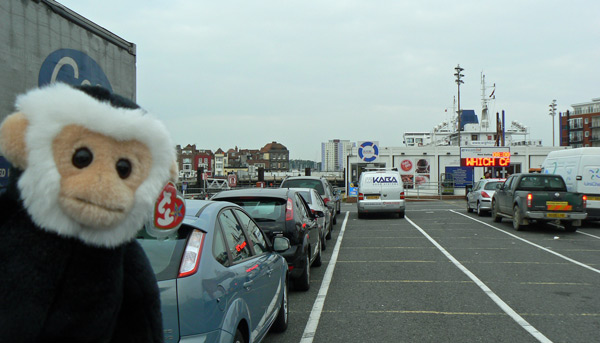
220 278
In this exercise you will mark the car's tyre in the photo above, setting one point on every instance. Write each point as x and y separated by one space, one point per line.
328 236
281 322
479 211
317 262
239 337
569 227
496 212
518 219
303 282
469 209
401 215
323 242
339 209
361 215
334 219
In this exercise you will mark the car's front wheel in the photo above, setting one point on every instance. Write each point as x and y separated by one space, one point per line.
281 322
469 209
303 282
479 211
239 337
317 262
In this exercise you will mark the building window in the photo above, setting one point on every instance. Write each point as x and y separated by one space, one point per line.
473 137
587 134
587 121
576 123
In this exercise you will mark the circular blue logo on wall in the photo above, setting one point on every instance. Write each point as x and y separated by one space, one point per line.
72 67
368 151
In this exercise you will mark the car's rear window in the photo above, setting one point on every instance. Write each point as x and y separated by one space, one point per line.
491 186
165 254
261 209
304 183
306 196
542 182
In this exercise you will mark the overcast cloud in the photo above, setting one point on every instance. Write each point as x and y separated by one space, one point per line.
244 73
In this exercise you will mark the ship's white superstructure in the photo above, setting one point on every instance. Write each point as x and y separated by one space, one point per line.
483 131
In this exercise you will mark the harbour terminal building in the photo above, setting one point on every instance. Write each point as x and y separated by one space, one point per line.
428 161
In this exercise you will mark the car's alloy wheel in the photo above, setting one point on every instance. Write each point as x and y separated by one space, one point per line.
469 209
479 212
239 337
281 322
317 262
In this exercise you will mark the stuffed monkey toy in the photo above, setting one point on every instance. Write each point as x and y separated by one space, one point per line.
88 166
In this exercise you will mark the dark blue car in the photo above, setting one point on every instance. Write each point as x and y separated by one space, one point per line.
220 278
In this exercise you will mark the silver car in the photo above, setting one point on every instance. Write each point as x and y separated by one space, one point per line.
480 197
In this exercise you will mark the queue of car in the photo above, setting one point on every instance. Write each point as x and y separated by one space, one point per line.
224 274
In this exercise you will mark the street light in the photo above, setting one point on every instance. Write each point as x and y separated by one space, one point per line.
458 82
553 114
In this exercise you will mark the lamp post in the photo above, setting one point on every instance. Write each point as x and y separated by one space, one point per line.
458 82
553 114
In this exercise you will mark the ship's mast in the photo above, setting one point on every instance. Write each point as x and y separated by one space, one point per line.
485 123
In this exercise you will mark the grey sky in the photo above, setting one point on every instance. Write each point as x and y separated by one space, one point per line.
245 73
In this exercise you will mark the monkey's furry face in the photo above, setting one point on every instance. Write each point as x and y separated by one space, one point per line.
90 170
99 175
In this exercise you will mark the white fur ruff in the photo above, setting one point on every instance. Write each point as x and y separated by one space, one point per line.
48 111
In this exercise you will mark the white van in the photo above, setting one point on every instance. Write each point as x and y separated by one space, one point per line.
380 191
580 168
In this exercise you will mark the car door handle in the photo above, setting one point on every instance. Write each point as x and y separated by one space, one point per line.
248 284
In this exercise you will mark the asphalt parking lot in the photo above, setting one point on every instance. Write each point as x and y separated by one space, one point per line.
442 274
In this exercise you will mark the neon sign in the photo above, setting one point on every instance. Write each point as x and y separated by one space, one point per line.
485 162
485 157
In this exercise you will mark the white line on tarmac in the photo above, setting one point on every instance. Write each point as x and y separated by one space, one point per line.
531 243
504 306
313 320
587 234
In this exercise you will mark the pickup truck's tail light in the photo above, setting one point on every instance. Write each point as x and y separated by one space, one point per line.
402 196
325 200
584 198
529 199
191 255
289 210
485 195
361 196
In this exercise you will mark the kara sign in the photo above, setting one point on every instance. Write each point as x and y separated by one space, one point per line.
368 151
485 157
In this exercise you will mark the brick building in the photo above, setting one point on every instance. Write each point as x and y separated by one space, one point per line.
581 127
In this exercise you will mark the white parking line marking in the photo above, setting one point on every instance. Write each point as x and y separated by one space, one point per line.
531 243
504 306
313 320
587 234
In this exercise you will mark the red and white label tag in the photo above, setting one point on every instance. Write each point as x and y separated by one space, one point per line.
169 209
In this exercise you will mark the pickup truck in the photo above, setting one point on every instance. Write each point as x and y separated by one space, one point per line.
538 197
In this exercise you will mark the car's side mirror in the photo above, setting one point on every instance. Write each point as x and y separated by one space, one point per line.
281 244
318 214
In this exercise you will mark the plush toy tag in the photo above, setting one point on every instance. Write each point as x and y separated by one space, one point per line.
169 209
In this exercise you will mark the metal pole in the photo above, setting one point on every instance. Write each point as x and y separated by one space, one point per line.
458 82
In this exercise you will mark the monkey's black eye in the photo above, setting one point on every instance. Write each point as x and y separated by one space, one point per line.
82 158
123 168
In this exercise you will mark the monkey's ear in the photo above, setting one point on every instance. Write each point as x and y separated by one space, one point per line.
12 139
174 172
